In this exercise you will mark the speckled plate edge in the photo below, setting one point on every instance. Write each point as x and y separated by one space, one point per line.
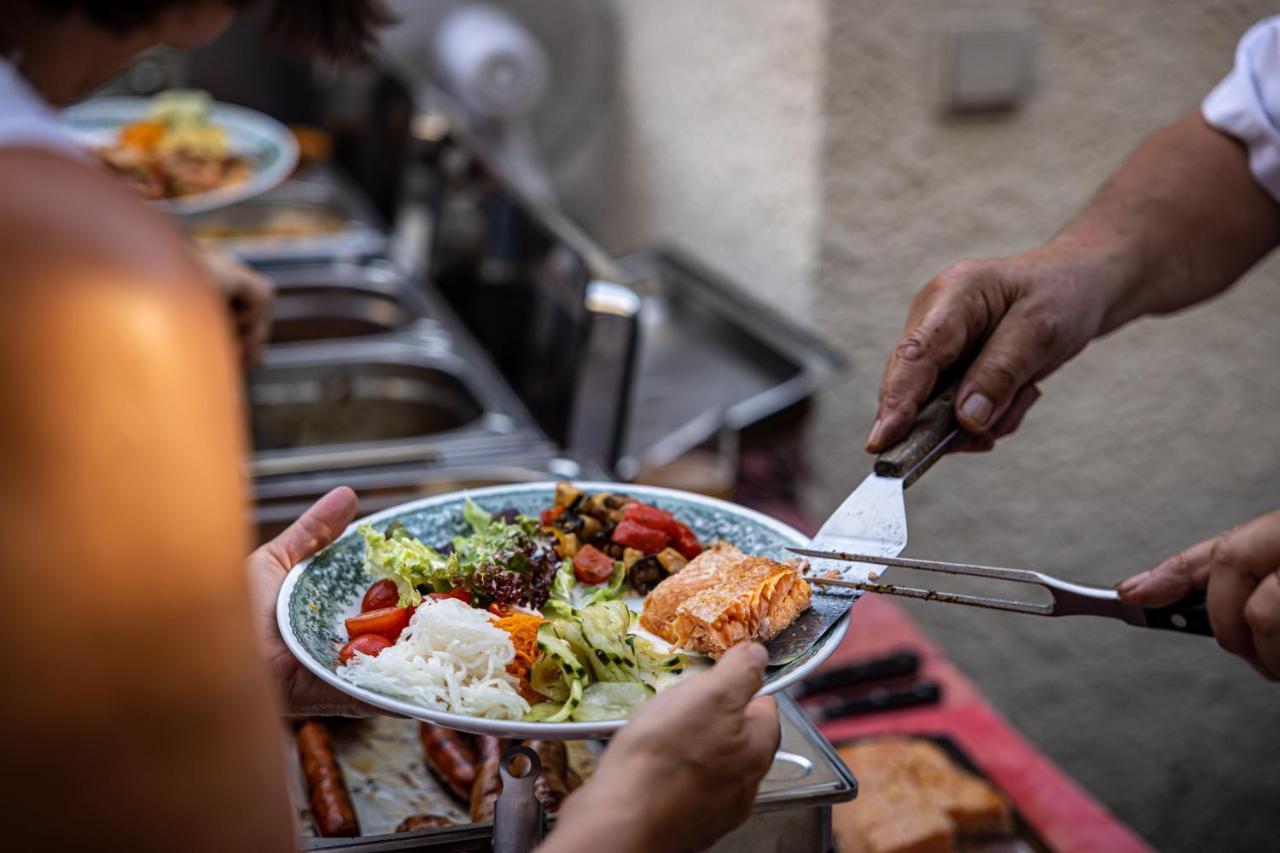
259 136
530 730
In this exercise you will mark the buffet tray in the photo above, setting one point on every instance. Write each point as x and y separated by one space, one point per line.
709 357
381 759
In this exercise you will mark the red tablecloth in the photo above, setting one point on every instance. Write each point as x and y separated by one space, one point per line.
1066 817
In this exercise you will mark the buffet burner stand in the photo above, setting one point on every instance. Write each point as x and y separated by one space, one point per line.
517 816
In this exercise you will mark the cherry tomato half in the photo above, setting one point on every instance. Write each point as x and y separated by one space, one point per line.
366 644
646 539
387 622
549 516
591 565
381 595
461 594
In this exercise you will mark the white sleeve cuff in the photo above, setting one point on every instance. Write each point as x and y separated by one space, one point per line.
1246 104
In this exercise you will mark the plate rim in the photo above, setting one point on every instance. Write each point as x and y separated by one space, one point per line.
521 728
260 182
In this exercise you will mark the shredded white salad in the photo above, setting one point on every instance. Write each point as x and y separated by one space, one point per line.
451 658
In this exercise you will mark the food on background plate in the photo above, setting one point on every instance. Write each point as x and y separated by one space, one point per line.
416 822
723 598
176 150
531 619
488 784
913 797
331 809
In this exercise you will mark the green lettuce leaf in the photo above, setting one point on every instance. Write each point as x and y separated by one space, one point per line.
410 564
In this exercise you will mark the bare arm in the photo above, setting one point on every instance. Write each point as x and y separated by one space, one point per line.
138 714
1179 222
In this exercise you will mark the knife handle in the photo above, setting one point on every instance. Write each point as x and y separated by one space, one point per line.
934 429
890 666
881 699
1188 616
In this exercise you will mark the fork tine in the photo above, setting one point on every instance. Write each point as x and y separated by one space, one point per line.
1014 575
934 595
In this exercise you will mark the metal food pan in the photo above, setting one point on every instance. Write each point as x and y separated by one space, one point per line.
373 401
792 812
312 217
333 301
709 357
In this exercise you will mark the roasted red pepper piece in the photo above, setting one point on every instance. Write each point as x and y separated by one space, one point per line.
644 539
686 541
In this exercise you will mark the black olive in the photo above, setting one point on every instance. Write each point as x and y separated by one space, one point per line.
645 574
570 523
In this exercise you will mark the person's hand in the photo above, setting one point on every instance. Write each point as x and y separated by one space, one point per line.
1019 318
683 771
1239 572
301 692
248 296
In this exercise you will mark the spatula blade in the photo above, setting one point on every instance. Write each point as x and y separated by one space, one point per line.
872 520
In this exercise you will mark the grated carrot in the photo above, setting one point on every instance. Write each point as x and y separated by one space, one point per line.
523 628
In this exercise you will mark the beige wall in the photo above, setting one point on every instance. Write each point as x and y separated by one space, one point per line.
718 137
1157 436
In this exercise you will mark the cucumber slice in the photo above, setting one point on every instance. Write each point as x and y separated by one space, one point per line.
611 700
604 627
554 646
570 706
546 677
652 659
543 711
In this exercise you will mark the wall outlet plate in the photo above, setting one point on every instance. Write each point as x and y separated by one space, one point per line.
987 65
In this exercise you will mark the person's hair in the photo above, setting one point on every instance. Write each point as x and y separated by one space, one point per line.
341 29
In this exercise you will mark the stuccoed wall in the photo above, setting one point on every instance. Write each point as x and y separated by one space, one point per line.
780 140
1165 433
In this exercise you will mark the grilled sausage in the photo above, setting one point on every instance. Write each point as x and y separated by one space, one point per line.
450 757
414 822
331 808
488 783
552 784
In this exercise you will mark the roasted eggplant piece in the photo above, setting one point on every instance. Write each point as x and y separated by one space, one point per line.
645 574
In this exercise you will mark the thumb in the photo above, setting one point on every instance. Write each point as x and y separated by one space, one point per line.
738 674
1172 580
1008 361
323 521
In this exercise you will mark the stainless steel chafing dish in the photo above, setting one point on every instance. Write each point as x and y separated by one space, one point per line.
384 770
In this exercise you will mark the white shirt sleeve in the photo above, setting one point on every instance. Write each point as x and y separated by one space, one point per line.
1246 104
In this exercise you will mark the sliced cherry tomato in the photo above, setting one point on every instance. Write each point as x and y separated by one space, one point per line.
632 535
591 565
387 622
686 541
462 595
549 516
381 595
366 644
651 517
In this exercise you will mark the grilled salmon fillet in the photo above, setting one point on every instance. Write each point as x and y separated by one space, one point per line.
723 598
659 614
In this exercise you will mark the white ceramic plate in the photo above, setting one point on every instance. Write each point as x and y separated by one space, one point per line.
320 593
266 142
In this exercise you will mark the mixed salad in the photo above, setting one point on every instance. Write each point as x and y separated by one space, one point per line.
521 617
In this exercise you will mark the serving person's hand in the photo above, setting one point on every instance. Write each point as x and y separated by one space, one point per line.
248 296
1020 317
1239 572
684 770
301 692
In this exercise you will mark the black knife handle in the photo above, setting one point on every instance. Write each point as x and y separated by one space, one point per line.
880 699
889 666
1188 616
934 429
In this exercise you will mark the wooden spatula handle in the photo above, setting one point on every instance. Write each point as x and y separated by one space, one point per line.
935 427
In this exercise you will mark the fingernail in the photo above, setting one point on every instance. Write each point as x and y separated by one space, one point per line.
758 653
1128 585
977 408
873 438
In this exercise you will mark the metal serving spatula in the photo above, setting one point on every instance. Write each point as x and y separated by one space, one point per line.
873 521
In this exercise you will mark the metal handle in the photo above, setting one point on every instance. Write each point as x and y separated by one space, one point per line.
1188 616
935 428
517 816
